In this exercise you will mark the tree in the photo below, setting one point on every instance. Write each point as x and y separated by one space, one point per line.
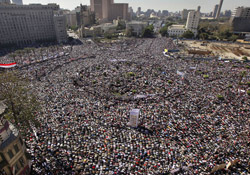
164 31
188 34
148 32
203 36
121 26
129 32
22 103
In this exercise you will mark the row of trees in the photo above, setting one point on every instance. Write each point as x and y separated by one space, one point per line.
21 102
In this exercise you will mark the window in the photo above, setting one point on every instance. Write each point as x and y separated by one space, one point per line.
17 168
10 153
16 148
21 161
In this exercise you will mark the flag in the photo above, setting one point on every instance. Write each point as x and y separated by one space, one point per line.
10 65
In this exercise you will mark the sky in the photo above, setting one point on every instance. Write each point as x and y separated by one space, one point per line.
170 5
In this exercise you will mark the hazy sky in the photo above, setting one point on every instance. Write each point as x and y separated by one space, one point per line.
171 5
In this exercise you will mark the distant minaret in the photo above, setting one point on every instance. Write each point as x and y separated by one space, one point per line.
219 10
199 9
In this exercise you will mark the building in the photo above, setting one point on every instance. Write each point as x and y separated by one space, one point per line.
5 1
138 12
107 10
240 19
17 2
13 157
136 27
219 10
184 13
28 24
165 13
60 28
85 16
227 13
193 21
216 7
96 6
90 32
191 24
71 19
176 30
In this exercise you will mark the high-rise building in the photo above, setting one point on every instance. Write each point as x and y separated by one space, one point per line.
165 12
193 21
240 19
13 159
219 9
184 13
107 10
215 10
27 24
5 1
17 2
85 16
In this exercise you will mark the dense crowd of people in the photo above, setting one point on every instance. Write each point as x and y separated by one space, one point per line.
194 112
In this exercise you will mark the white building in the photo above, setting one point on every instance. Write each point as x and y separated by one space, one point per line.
243 12
193 21
184 13
136 27
176 30
191 24
27 24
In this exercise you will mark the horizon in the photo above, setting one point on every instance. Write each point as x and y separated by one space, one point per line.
207 6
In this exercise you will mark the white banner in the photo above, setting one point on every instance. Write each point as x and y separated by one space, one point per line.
134 116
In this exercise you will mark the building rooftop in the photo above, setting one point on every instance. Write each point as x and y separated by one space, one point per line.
2 107
177 27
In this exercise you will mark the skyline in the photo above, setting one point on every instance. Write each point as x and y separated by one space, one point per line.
170 5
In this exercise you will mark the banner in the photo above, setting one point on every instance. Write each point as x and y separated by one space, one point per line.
7 65
134 116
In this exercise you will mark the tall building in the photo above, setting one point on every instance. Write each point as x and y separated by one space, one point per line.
165 12
96 6
5 1
219 10
28 24
85 16
138 12
184 13
107 10
191 24
240 19
215 10
17 2
13 159
193 21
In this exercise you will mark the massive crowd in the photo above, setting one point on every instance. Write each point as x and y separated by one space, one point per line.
185 128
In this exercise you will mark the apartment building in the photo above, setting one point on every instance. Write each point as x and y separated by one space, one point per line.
27 24
13 157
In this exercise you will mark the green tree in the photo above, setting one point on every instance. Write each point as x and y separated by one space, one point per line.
203 36
188 34
164 31
121 26
22 103
148 32
129 32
